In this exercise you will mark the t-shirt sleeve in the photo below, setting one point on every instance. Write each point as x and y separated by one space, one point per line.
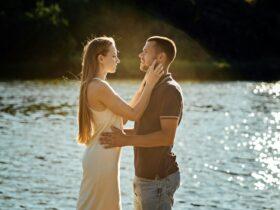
171 106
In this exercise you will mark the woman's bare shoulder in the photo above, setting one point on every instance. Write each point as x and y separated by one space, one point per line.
97 87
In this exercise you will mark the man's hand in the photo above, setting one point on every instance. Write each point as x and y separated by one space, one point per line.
116 138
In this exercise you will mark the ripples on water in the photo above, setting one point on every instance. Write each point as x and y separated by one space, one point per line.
227 146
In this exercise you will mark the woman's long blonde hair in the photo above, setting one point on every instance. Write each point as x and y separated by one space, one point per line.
93 48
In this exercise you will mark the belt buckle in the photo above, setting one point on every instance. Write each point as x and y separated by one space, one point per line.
157 177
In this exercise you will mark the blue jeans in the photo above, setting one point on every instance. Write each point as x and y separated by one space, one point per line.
155 194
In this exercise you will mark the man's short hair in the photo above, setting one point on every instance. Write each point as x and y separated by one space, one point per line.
165 45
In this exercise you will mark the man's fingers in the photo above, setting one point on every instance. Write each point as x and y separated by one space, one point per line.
105 138
104 141
108 146
106 134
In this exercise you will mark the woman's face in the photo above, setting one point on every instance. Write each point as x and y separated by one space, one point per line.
111 60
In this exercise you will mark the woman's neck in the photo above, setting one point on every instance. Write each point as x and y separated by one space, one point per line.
101 75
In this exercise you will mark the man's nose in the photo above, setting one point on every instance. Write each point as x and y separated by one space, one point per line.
140 55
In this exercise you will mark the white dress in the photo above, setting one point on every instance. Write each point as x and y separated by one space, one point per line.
100 188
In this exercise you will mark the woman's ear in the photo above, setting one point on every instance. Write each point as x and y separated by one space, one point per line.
100 58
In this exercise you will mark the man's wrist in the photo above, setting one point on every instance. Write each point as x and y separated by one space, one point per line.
126 140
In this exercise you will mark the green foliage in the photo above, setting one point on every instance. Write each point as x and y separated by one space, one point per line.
48 36
50 14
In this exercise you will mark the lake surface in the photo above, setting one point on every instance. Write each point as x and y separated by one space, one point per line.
227 146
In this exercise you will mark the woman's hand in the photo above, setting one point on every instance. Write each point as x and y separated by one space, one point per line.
153 74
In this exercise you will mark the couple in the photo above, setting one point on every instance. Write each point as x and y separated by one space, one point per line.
156 109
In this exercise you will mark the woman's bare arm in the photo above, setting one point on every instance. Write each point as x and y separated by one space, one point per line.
136 97
102 92
137 94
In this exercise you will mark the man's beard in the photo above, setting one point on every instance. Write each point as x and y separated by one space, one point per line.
144 68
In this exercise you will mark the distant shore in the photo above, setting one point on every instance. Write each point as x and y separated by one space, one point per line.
129 69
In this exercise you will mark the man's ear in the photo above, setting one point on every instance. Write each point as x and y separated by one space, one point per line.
162 57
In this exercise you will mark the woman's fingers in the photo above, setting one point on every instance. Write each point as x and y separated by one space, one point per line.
153 64
159 69
159 66
154 73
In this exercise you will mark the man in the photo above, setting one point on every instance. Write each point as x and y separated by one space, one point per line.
157 174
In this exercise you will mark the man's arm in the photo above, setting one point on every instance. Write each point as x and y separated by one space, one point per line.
164 137
170 111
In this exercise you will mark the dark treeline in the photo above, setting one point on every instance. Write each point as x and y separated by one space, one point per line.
44 39
244 32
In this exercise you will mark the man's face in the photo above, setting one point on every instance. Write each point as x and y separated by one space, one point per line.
147 56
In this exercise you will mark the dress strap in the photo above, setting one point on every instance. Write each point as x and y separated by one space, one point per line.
99 79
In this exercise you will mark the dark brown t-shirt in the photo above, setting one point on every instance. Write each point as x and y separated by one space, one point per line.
166 102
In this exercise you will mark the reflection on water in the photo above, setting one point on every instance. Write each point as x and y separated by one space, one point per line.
267 89
228 146
267 143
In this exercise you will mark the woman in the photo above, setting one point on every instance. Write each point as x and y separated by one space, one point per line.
100 107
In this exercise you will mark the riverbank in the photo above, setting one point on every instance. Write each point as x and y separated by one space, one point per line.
128 69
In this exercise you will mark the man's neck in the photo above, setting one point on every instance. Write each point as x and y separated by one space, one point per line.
166 69
163 78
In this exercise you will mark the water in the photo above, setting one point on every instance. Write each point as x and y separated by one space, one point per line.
227 146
